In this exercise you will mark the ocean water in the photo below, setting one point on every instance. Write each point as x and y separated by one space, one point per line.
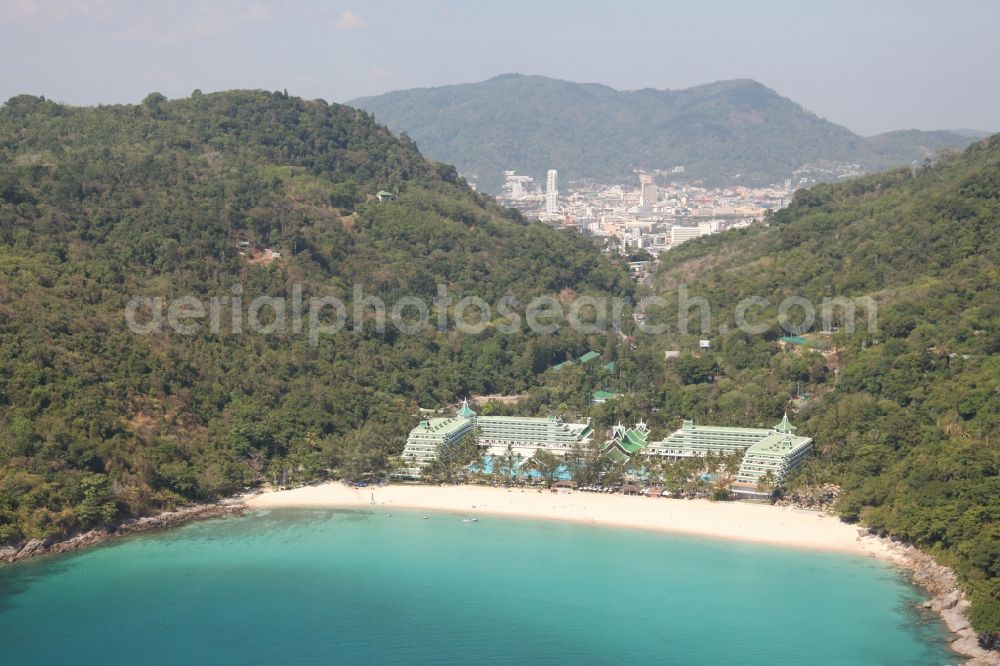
316 586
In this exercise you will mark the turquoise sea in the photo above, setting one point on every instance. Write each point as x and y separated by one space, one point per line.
327 586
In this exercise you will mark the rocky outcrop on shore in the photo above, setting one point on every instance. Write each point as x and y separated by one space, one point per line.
947 598
37 547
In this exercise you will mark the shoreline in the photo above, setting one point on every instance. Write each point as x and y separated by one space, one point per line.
947 600
732 521
35 548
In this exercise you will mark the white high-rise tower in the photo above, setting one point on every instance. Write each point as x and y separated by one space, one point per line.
552 192
647 189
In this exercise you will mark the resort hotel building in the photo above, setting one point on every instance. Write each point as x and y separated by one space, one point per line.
499 435
426 440
692 441
780 453
777 450
525 435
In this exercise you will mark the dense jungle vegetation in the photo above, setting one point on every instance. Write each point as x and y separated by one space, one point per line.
262 194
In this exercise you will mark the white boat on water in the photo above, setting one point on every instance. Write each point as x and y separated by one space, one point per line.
470 520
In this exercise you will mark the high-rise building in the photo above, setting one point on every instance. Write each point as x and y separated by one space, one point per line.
680 234
552 192
517 187
647 191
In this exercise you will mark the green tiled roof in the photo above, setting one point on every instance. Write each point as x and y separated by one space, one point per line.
785 426
440 426
634 440
615 455
465 410
631 447
779 443
603 395
689 425
806 342
610 367
626 441
589 356
560 366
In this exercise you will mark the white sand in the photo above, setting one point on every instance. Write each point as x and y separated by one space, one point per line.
742 521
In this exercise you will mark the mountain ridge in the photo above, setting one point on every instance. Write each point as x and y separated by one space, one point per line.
725 132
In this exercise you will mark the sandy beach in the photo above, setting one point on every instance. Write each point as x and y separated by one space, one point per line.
741 521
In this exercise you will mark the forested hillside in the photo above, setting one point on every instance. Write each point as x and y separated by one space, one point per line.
195 196
725 133
905 416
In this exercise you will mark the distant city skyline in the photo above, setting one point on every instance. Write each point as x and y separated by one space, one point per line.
871 67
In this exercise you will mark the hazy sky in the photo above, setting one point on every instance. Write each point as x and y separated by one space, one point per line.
872 66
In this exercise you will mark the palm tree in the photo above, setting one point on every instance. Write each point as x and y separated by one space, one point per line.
654 469
721 485
504 466
766 483
545 463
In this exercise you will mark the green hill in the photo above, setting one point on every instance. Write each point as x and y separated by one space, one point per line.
725 132
192 197
906 416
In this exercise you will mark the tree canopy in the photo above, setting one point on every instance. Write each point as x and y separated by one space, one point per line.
906 413
242 193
